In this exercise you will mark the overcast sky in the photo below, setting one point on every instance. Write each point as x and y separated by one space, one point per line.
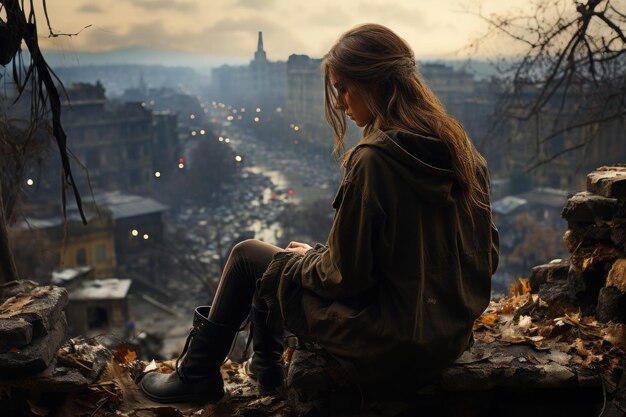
229 28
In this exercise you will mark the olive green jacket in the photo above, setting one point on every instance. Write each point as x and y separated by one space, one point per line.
404 273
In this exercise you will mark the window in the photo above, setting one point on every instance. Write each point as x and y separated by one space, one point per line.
97 317
81 257
101 253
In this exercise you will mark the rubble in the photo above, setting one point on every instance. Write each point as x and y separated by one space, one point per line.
32 326
37 360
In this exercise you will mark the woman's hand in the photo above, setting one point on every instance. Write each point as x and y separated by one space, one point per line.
298 247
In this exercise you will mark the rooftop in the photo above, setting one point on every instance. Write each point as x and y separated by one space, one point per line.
101 289
126 205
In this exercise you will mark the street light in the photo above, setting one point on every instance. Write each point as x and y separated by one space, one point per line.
30 181
238 158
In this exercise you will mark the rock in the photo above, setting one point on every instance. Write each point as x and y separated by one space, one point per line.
14 333
618 233
315 384
608 181
41 306
558 298
617 275
52 379
553 271
585 207
13 288
584 286
35 357
611 305
592 233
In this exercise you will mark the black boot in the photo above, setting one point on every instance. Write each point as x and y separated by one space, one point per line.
197 376
266 364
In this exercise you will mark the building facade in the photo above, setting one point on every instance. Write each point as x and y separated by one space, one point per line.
260 84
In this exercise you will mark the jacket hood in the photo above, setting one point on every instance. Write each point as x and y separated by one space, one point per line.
423 162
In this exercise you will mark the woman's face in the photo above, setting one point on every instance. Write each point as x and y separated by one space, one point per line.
350 99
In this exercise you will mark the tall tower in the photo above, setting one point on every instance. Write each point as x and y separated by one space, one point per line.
259 55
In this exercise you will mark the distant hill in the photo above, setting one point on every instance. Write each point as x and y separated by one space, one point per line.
138 56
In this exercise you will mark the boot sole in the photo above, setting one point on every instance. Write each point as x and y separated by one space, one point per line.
200 398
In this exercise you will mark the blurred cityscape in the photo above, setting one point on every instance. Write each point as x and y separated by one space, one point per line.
175 166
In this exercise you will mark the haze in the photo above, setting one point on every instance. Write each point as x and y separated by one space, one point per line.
228 28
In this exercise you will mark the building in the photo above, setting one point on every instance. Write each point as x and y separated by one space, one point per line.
561 156
99 305
123 236
138 232
305 99
113 142
262 83
78 245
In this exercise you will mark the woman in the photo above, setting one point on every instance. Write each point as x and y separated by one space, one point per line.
408 263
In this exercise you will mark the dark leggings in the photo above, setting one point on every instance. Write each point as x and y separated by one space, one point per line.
236 291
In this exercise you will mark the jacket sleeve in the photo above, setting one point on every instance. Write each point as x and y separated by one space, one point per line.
345 267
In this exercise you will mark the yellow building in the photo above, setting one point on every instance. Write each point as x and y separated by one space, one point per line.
81 245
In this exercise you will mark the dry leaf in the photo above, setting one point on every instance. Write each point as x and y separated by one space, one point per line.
152 366
488 319
617 275
580 348
615 334
124 354
13 306
521 287
546 331
591 360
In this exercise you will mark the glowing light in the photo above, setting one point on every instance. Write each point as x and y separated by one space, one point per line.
143 104
229 118
134 232
181 166
258 110
193 133
221 139
243 109
146 236
238 158
157 174
181 160
256 120
202 132
227 140
296 128
30 181
279 109
192 116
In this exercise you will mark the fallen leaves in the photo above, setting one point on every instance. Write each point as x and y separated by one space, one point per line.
14 305
124 354
488 319
521 287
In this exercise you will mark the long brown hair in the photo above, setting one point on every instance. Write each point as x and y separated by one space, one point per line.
380 64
